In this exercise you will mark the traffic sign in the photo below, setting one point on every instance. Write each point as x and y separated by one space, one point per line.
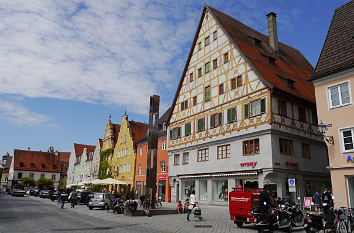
292 185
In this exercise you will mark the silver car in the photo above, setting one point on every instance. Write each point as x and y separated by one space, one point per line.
101 200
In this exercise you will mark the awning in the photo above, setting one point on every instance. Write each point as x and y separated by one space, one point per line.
219 175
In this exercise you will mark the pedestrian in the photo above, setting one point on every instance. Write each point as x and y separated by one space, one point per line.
62 199
327 198
179 208
317 201
185 207
73 198
189 209
192 198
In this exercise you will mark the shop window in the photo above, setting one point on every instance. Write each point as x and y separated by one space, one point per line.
347 140
282 109
203 155
220 190
42 175
215 120
351 191
19 175
201 125
185 158
203 190
306 152
251 147
302 114
339 95
231 115
187 129
215 64
176 159
207 94
224 151
286 146
191 77
255 108
188 187
163 166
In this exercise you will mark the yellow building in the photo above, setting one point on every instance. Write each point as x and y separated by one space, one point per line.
122 163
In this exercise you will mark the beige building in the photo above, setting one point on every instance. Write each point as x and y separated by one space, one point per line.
334 84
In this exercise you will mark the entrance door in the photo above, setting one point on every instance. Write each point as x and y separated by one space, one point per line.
351 191
162 190
177 191
138 190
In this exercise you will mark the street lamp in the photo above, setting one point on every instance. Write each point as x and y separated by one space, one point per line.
322 130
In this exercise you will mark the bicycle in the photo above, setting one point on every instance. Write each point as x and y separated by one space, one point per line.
350 220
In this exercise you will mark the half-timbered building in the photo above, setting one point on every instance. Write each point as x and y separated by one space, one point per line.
243 114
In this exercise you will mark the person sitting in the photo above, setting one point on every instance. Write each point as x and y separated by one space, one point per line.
185 207
265 201
180 208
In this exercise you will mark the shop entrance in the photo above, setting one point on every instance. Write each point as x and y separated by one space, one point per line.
351 191
138 189
162 190
250 183
187 187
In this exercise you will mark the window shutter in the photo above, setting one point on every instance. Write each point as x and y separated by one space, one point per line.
263 105
233 114
203 124
220 118
199 125
229 115
179 132
246 106
171 134
212 121
187 129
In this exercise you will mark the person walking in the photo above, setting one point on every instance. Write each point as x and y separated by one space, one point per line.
189 209
317 201
62 198
73 198
192 200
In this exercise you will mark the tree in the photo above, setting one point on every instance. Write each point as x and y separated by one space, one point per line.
44 183
28 181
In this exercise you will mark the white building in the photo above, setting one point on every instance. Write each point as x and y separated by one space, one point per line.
79 170
95 165
244 114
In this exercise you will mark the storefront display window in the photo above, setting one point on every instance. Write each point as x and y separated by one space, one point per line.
220 190
187 188
203 187
351 191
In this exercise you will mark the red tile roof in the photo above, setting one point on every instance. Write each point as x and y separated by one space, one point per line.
64 156
36 161
289 62
101 142
338 51
116 129
138 130
79 149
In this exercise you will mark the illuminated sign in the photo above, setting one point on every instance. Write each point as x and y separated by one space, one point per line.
248 164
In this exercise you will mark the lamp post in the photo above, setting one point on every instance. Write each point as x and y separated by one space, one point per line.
322 130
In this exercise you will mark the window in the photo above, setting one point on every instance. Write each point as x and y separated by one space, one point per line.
55 166
203 155
201 125
187 129
255 108
224 151
302 114
199 72
126 151
119 153
175 133
33 165
176 159
185 159
306 152
184 105
128 167
233 83
215 120
207 94
163 166
53 177
231 115
221 89
120 169
42 175
163 144
314 117
215 64
271 61
339 95
194 100
215 35
207 41
141 151
226 58
191 77
207 67
43 165
199 46
347 140
282 109
286 146
22 164
125 138
121 139
251 147
139 171
239 81
124 168
19 175
31 175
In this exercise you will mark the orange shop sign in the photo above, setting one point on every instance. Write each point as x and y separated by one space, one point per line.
162 177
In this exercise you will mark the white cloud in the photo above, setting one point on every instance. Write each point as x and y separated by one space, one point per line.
19 115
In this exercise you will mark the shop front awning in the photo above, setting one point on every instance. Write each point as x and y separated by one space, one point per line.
218 175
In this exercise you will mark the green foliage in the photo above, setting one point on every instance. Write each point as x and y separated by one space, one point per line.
44 183
97 188
102 172
28 181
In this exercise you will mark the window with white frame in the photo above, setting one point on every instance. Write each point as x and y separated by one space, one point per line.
339 95
125 138
128 167
185 158
139 171
176 159
347 137
120 169
124 168
163 166
163 144
53 177
224 151
42 175
141 151
31 175
119 154
126 151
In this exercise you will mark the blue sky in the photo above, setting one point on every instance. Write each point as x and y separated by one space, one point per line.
66 65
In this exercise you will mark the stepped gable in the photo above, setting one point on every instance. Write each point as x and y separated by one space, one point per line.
138 130
101 142
338 49
79 149
116 129
7 164
41 161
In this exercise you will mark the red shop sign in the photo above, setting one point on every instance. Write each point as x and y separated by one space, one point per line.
248 164
162 177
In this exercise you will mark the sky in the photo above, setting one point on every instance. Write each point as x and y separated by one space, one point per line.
65 66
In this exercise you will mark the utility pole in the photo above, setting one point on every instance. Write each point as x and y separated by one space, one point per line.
151 163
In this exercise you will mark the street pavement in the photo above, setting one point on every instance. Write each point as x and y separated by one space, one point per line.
32 214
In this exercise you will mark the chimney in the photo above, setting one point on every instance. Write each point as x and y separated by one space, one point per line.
272 31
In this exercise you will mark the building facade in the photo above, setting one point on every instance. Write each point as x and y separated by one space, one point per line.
64 165
243 115
334 84
95 165
6 162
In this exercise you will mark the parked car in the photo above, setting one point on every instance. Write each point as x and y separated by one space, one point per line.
82 197
18 190
89 197
55 196
34 192
45 193
101 200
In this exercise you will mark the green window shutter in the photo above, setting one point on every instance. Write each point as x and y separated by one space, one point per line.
207 94
199 125
212 121
229 115
220 118
171 134
178 132
263 105
246 106
203 124
233 114
187 129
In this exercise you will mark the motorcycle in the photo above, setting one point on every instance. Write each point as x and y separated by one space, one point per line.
315 222
296 215
284 218
265 218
